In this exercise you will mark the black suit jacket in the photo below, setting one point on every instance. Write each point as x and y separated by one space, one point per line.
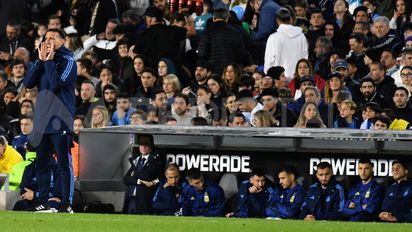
152 169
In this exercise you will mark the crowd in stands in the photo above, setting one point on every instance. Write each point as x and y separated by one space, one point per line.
255 63
221 64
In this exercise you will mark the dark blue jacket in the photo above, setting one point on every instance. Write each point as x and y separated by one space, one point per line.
369 195
324 204
354 87
30 181
342 123
252 205
55 80
321 66
398 201
286 203
18 144
296 106
207 203
168 201
267 22
385 91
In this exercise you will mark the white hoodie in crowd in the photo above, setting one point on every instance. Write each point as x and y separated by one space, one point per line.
284 48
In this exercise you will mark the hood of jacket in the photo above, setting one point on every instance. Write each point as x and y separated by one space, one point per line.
290 30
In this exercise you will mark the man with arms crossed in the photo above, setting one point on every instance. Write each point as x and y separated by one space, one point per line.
365 198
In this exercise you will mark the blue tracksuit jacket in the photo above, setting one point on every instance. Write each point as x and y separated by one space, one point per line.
55 80
367 199
324 204
18 144
207 203
168 201
286 203
398 201
252 204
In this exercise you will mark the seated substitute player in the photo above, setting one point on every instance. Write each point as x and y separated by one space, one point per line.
326 198
202 197
29 190
365 198
253 196
168 197
397 204
26 127
286 201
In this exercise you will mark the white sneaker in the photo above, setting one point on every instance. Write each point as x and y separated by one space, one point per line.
51 210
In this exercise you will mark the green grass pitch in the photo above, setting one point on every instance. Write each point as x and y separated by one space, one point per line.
22 221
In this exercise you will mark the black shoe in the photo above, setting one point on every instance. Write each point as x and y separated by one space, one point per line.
65 209
40 207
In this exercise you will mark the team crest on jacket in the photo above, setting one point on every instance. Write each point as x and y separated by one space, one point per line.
206 198
292 199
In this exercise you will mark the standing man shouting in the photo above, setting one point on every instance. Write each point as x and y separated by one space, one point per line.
54 74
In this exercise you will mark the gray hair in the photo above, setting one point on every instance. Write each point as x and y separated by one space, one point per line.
382 19
26 52
325 42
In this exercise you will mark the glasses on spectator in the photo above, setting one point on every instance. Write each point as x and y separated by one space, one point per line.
406 74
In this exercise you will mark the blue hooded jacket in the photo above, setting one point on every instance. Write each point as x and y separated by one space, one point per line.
168 201
55 80
267 22
367 199
324 204
206 203
398 201
252 205
286 203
